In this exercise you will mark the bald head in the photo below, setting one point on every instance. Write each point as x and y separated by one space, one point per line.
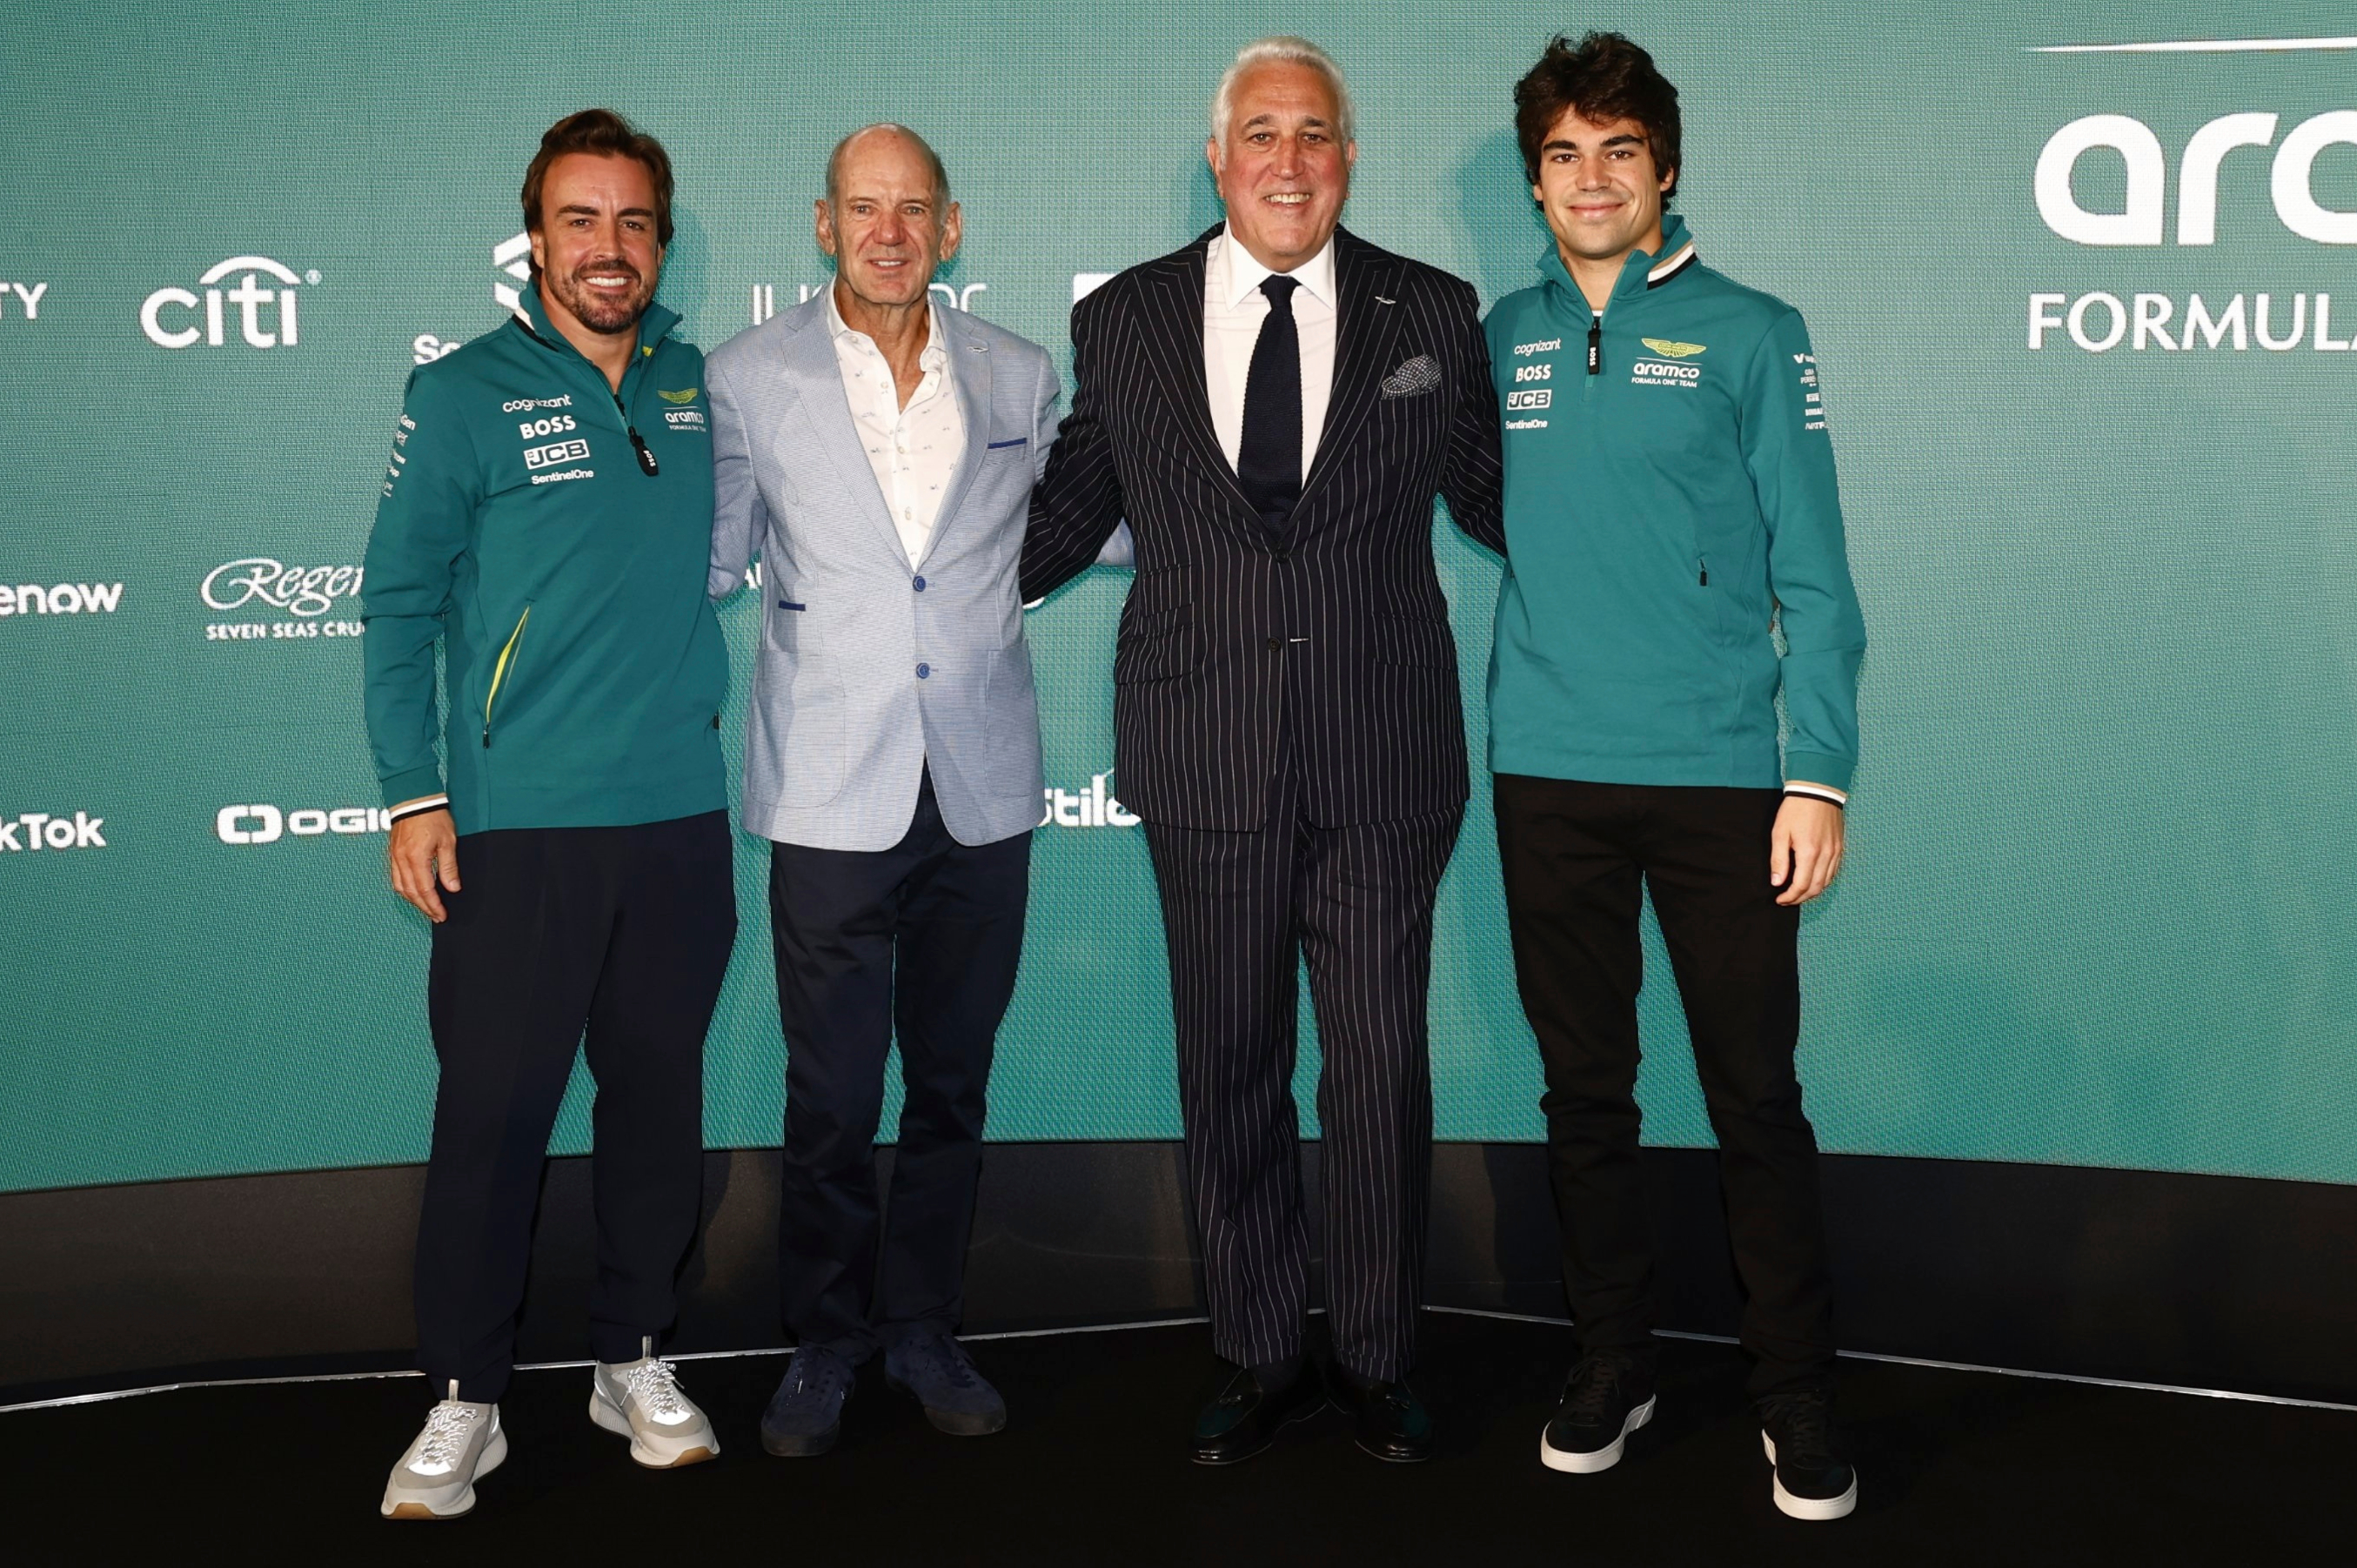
881 134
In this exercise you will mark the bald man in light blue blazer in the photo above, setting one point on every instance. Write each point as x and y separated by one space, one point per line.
877 450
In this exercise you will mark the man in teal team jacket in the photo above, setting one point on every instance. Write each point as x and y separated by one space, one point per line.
1670 506
546 516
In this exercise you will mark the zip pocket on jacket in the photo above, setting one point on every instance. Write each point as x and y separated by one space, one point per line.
499 671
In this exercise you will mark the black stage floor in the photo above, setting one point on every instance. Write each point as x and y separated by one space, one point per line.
1956 1467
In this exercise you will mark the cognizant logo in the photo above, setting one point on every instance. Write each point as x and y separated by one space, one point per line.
246 826
1093 807
51 830
266 317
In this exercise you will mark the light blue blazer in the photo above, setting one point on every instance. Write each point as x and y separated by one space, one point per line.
874 667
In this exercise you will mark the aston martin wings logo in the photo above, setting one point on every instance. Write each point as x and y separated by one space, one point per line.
1668 349
687 396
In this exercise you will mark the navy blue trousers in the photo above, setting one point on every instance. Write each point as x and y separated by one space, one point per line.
921 939
624 932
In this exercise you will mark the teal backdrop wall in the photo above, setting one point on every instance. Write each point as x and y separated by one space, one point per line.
2096 906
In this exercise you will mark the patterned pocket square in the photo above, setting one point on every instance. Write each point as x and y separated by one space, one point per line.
1420 374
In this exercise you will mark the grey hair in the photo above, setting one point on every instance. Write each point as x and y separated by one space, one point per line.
1282 50
932 161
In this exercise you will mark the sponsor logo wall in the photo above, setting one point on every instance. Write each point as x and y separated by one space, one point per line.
2085 306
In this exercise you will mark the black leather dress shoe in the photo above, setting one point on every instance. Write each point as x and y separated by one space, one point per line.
1244 1418
1386 1419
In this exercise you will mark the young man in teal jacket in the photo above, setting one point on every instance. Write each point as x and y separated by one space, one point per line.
546 516
1670 508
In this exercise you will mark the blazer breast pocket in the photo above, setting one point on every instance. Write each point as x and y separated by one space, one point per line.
1414 378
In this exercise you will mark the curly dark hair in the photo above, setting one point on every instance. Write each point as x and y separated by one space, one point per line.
604 133
1604 76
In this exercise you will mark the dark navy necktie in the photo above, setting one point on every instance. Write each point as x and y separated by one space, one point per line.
1268 459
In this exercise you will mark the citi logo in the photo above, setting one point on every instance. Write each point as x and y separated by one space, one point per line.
1093 807
52 829
2140 220
246 826
266 317
61 599
27 296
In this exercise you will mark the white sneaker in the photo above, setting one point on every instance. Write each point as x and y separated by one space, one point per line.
435 1479
641 1400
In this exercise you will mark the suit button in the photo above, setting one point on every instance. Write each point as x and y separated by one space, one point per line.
919 584
1283 558
923 670
1274 643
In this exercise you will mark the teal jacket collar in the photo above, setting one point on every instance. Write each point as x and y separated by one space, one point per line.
653 326
1642 271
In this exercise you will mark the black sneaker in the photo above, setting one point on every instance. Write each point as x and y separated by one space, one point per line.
1813 1477
1609 1395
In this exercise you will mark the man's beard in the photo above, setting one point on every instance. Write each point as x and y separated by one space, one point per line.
599 312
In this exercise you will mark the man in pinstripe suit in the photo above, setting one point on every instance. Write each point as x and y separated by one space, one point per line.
1273 409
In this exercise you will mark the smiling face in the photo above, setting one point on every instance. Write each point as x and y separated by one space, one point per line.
1282 168
887 226
594 242
1600 190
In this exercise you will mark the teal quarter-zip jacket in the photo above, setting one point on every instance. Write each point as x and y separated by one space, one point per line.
1670 499
583 667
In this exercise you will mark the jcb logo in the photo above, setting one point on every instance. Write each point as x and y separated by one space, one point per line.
556 452
2290 182
1541 397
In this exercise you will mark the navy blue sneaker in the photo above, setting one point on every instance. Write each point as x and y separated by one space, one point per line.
805 1415
937 1371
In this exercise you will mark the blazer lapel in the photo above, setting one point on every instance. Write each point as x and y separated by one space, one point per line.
1175 348
815 379
1366 328
970 379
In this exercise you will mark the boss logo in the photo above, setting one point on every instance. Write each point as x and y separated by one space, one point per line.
1533 372
556 425
556 452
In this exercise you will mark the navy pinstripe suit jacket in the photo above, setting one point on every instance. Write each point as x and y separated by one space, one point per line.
1338 626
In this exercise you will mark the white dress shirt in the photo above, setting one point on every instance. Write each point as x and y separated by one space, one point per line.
913 450
1233 308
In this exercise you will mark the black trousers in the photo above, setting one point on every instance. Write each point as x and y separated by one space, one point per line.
1241 912
625 932
923 939
1574 856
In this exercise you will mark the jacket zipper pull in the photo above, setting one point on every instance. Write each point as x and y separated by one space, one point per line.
486 734
647 463
1596 346
1702 568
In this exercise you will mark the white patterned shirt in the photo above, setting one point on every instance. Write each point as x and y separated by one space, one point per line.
913 451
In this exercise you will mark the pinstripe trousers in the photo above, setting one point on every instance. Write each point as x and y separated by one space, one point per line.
1241 912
